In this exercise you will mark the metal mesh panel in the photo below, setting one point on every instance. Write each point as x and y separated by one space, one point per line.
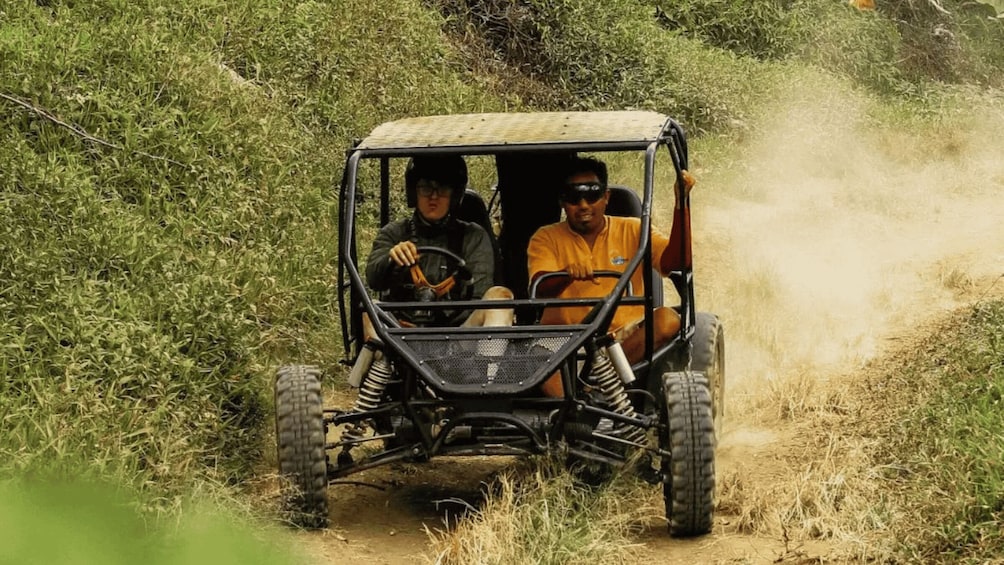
516 128
485 364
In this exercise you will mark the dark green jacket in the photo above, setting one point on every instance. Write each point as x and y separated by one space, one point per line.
384 276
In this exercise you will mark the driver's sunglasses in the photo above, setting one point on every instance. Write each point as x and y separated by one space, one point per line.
428 189
590 191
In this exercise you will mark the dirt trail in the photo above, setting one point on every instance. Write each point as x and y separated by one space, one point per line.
821 243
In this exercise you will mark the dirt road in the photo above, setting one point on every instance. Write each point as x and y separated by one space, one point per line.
824 243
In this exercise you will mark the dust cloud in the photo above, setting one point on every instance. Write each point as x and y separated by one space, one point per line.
828 231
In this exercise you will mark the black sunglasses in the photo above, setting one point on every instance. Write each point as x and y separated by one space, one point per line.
591 191
427 189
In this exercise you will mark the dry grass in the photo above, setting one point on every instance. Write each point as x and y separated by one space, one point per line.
881 474
537 513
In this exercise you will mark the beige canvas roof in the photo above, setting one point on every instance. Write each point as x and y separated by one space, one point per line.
495 129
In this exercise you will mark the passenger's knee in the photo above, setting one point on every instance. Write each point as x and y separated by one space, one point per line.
498 293
493 316
667 322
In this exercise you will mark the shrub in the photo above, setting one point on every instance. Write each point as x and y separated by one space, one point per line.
762 28
614 54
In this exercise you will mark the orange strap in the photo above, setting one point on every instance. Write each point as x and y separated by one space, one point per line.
441 289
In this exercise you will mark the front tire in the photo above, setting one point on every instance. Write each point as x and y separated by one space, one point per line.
299 417
688 470
708 358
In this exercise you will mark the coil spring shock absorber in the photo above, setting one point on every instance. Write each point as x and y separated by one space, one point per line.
370 393
606 378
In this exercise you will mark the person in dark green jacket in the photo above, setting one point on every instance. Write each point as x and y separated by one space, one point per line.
435 186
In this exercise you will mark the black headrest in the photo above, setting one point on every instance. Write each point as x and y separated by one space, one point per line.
623 202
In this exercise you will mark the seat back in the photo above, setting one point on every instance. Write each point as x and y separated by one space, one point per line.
528 196
625 202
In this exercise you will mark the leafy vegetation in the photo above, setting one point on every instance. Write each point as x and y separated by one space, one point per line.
890 49
610 55
708 61
86 523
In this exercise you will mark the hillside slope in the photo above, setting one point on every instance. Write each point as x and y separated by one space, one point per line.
166 174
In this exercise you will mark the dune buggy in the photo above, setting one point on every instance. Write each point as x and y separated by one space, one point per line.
427 392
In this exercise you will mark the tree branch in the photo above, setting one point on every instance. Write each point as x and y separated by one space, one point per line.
77 130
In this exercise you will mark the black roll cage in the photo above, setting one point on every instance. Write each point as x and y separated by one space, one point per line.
353 297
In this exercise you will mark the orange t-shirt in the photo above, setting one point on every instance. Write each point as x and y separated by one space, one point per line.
556 246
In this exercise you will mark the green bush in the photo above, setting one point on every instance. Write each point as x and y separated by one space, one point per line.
832 35
862 46
85 523
614 54
949 41
760 28
901 44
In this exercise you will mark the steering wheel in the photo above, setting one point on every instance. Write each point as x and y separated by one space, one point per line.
598 274
555 274
458 274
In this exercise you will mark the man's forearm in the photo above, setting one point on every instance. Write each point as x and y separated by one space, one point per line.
676 255
552 286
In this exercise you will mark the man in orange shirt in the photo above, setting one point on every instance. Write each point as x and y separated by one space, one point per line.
589 240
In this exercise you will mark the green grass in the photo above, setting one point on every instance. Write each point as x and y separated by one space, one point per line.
170 171
945 448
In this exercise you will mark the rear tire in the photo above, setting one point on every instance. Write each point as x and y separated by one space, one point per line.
299 418
689 469
708 357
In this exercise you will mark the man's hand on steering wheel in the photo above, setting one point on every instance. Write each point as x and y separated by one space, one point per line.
404 254
549 284
581 272
458 271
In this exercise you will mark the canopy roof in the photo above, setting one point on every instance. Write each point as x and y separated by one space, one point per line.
499 130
